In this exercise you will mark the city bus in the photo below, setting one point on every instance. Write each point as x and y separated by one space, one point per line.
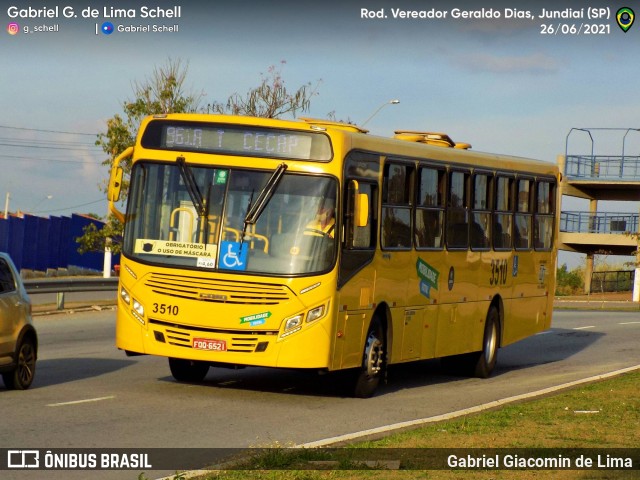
311 244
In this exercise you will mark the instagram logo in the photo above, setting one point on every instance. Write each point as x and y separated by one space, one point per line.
13 28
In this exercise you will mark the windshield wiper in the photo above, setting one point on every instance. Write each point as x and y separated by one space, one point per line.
255 209
192 187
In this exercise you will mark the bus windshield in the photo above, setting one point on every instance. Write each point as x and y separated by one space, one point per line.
169 224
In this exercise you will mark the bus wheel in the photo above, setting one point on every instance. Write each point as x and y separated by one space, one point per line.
477 364
372 361
486 361
188 370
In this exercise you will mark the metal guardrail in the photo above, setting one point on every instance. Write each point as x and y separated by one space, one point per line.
603 167
71 285
586 222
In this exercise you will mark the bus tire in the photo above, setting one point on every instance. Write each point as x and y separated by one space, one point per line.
188 370
478 364
373 359
488 357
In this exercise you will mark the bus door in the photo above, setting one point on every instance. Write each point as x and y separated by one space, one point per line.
356 281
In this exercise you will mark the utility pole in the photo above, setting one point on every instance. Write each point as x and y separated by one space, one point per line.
6 206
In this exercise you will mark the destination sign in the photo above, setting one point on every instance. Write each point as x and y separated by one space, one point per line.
237 140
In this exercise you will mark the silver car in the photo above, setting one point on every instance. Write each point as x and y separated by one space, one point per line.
18 339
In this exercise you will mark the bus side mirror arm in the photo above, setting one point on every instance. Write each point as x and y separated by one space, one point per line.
115 183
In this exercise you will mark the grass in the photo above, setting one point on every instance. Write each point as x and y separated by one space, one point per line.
599 416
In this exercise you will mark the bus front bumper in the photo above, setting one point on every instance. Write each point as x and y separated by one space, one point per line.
308 347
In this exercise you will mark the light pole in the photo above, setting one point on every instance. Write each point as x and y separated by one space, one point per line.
48 197
390 102
6 206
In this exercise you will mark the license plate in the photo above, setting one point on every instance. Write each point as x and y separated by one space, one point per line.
209 344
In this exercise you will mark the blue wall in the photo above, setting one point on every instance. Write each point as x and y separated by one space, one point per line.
37 243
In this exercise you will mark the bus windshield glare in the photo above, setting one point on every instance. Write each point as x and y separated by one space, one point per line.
168 225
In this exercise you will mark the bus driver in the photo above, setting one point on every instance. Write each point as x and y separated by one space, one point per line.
325 220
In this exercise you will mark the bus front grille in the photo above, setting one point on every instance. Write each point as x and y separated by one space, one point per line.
237 341
218 291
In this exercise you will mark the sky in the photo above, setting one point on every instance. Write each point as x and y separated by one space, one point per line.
505 85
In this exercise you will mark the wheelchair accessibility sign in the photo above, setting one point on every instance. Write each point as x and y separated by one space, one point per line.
233 256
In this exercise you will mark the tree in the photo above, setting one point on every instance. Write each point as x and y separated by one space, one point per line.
568 282
94 240
270 99
162 92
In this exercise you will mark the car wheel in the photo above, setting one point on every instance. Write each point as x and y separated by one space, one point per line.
22 376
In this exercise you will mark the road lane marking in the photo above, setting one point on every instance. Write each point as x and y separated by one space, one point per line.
629 323
77 402
584 328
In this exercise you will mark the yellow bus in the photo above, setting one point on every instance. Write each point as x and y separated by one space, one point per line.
310 244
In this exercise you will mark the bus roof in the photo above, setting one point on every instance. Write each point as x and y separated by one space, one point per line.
405 143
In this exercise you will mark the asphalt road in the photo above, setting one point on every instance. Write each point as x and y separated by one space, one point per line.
87 394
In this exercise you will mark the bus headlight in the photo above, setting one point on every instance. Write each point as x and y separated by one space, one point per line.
315 313
138 311
126 298
293 323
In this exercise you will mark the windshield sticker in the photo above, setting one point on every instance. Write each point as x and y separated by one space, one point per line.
255 320
428 277
206 262
233 255
221 177
178 249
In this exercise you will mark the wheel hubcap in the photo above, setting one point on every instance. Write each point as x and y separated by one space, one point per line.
374 355
26 361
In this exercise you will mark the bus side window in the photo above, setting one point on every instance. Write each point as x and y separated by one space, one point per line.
503 214
544 213
458 210
480 232
396 206
522 228
429 214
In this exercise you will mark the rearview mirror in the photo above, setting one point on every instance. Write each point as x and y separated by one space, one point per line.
115 184
360 205
361 213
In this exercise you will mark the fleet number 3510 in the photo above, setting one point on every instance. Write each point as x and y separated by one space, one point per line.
164 309
498 275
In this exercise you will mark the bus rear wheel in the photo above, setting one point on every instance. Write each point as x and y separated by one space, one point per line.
373 359
478 364
487 358
188 370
